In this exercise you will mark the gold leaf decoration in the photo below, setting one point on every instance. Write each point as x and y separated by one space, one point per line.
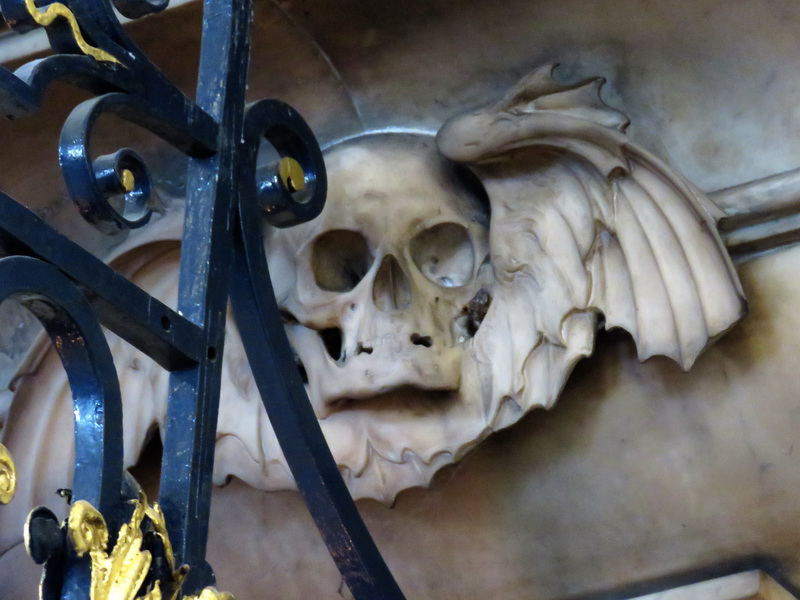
120 574
156 517
57 10
117 576
8 476
86 528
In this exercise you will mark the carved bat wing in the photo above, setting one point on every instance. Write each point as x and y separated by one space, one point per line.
584 223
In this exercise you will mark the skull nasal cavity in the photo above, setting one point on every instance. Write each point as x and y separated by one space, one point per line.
391 290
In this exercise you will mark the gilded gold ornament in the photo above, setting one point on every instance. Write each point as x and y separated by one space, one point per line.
292 175
128 180
120 574
58 10
8 476
86 528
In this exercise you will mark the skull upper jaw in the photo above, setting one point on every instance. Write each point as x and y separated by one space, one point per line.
394 364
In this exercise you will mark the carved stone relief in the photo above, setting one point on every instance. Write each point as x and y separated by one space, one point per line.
419 336
449 287
641 474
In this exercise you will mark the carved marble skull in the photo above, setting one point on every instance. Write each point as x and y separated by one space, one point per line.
421 326
377 290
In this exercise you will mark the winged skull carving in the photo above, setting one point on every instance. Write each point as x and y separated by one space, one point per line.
449 287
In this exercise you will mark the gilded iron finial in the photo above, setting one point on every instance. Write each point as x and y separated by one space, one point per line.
119 575
115 576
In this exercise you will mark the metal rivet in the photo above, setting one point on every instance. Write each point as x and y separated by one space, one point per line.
292 174
128 180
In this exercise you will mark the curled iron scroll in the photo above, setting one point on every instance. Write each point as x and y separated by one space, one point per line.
93 183
79 341
283 204
71 325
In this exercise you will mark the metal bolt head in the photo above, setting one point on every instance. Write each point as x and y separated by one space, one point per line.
292 175
128 180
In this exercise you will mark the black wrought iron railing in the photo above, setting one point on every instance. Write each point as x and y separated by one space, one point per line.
73 294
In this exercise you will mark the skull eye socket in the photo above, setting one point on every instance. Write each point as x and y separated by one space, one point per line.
444 254
340 259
